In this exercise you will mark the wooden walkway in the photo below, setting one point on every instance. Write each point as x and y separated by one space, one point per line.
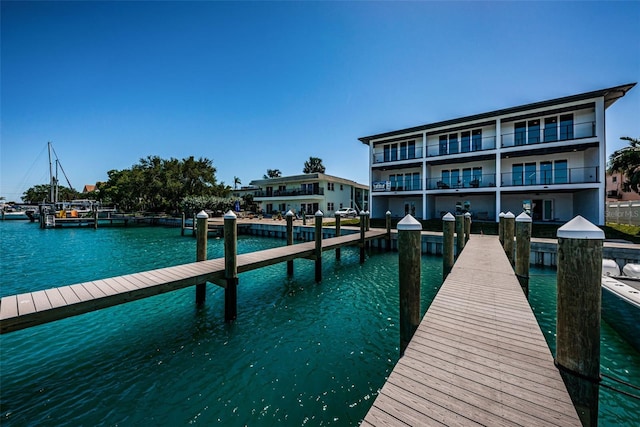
35 308
478 357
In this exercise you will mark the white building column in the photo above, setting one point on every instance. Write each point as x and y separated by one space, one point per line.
424 175
601 134
369 198
498 168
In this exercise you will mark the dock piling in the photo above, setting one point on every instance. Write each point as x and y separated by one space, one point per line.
388 225
448 225
201 253
363 218
578 324
523 251
459 234
467 227
289 218
509 221
338 218
230 266
409 269
318 249
501 228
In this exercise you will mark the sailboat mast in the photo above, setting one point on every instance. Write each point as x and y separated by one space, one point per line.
51 183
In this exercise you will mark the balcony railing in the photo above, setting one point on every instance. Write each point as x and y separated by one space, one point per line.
397 155
413 185
551 177
482 181
284 193
461 147
550 134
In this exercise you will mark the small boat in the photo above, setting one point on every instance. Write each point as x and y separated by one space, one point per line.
621 300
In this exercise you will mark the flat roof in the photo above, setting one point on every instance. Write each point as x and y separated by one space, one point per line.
316 176
610 95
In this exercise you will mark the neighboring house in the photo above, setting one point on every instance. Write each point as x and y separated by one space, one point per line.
309 193
616 191
548 158
88 188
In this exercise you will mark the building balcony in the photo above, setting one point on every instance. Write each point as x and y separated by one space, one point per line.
481 181
551 177
541 135
289 193
397 156
394 186
461 146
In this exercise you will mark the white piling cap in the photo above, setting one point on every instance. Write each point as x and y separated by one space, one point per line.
467 214
448 217
409 223
509 215
202 215
388 213
523 217
230 215
501 215
363 213
289 213
319 213
580 228
367 212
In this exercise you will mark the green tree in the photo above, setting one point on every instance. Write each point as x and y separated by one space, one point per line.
236 182
40 193
627 161
313 165
272 173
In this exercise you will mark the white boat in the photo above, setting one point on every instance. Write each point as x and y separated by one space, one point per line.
621 300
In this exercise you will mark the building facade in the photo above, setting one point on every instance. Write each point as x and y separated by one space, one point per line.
309 193
547 158
616 191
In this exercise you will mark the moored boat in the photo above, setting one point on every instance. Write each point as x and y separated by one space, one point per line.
621 300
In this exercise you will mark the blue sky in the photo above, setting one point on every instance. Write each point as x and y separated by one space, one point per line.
264 85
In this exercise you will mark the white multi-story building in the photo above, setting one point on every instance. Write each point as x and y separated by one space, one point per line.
309 193
548 158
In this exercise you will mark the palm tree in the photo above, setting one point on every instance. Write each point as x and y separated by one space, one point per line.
314 164
272 173
627 161
236 182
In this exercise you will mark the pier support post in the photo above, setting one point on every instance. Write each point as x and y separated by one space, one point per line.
388 224
578 323
289 218
523 250
201 253
459 234
367 223
230 267
318 251
193 229
467 227
182 224
448 225
363 216
409 269
509 221
501 228
338 233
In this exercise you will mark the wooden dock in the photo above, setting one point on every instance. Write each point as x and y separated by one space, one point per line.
478 356
35 308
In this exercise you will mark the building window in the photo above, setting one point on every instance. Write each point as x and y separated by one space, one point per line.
446 179
416 181
341 187
269 208
453 143
614 179
411 147
477 177
394 152
520 135
530 174
443 145
330 206
566 127
465 142
387 153
516 173
455 178
392 178
561 172
534 131
550 129
476 140
407 181
545 172
466 177
403 151
283 207
331 186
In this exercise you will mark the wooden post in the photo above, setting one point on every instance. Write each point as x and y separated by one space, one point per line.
368 219
201 253
448 225
193 229
363 215
578 323
509 221
182 224
409 268
289 218
95 219
501 228
230 267
318 251
523 250
459 234
467 227
304 217
388 224
338 218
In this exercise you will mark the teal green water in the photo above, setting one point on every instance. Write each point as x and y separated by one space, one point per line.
300 353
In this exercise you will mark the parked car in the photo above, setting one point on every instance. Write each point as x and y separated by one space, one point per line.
347 212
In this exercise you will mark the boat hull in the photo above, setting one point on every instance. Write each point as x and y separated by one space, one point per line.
621 309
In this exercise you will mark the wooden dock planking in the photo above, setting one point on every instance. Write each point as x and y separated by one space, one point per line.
31 309
478 356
